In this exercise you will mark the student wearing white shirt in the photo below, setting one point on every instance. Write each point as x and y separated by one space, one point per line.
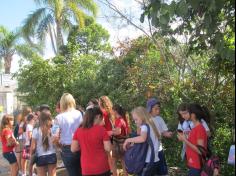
142 117
68 121
153 107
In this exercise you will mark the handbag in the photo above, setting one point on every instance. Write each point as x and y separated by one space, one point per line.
118 150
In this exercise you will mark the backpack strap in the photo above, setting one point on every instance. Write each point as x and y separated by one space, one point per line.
202 155
150 143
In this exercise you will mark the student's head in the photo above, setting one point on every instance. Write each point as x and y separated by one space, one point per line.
118 111
141 116
196 112
92 116
26 110
30 117
105 103
7 122
67 102
183 112
153 106
44 107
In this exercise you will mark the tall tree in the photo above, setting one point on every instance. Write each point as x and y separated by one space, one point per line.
55 16
8 45
208 24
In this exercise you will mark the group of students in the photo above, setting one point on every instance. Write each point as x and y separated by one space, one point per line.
92 142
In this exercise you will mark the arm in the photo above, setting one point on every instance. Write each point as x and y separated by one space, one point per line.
116 131
75 146
200 142
167 134
139 139
33 146
107 146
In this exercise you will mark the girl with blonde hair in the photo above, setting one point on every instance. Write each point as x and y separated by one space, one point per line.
9 142
142 118
68 121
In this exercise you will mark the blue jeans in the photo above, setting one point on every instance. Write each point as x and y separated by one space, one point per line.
71 161
194 172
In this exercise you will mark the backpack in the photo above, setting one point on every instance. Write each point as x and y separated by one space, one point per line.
136 155
209 163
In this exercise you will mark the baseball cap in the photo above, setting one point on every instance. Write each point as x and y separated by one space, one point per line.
152 102
44 107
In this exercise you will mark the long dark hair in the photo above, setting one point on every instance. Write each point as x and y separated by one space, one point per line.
201 112
182 107
45 122
90 116
121 111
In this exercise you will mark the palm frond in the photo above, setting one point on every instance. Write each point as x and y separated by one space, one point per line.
31 23
77 13
89 5
43 26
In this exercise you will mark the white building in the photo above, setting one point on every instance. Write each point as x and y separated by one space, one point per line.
8 95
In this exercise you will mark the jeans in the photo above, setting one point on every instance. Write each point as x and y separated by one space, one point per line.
71 161
194 172
151 170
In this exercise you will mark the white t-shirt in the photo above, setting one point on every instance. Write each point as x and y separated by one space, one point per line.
188 125
21 126
29 128
155 144
37 135
161 126
68 123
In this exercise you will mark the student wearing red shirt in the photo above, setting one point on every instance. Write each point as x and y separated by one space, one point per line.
94 143
9 142
197 136
106 106
120 133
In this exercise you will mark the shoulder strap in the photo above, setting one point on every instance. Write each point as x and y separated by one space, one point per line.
150 143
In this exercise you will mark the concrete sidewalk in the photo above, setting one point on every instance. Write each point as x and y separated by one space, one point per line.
4 165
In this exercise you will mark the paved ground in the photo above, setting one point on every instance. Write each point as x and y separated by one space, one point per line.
4 166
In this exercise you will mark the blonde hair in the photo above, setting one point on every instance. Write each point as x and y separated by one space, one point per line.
105 103
5 123
142 113
67 101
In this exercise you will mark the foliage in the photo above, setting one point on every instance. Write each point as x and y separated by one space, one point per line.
207 24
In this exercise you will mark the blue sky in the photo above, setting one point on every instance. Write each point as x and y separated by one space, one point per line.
13 12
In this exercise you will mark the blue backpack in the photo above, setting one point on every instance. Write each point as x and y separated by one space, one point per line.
136 155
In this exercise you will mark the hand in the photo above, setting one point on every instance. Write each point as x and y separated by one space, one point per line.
126 144
181 137
216 172
169 134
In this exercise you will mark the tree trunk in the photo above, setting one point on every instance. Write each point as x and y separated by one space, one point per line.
59 38
7 63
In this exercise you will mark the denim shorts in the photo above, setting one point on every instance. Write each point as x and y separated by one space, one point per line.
46 160
194 172
10 157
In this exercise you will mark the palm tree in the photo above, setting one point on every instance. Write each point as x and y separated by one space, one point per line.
54 17
8 45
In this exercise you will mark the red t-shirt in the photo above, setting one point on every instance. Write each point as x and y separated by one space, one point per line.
107 120
94 159
193 159
120 123
5 148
